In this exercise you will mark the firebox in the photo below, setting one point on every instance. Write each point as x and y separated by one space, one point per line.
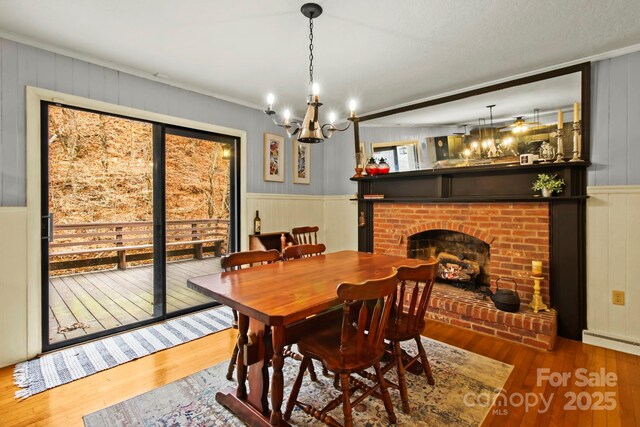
463 259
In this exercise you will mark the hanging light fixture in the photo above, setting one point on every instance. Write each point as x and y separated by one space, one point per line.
310 130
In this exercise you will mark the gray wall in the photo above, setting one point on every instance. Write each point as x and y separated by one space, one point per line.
22 65
615 129
615 120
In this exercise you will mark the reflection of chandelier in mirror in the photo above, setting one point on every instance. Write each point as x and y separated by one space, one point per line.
519 126
310 129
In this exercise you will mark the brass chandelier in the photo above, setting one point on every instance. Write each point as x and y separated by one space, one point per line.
309 129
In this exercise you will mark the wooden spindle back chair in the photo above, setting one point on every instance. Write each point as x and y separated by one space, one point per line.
303 251
408 320
236 261
350 348
305 235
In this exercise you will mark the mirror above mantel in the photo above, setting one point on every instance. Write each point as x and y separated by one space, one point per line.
492 125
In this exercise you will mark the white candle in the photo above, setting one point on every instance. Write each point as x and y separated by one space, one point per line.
576 112
536 268
560 120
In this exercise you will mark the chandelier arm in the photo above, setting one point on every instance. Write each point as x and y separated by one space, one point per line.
332 128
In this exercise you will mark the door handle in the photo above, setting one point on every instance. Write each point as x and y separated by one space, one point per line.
48 227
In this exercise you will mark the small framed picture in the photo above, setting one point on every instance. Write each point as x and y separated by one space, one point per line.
301 163
273 157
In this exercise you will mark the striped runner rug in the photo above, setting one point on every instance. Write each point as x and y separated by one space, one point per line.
54 369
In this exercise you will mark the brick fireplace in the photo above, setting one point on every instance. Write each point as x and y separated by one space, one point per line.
516 234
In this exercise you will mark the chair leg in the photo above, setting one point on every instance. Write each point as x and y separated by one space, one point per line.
346 400
386 399
296 388
232 363
402 379
425 362
312 372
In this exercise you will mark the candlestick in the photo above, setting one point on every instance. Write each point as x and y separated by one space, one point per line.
560 149
576 111
536 303
576 142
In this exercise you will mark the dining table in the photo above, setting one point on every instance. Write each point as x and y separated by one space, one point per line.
278 303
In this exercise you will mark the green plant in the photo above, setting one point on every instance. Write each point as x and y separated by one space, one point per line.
548 181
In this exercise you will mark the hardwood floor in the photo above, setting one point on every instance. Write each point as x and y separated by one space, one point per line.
111 298
65 405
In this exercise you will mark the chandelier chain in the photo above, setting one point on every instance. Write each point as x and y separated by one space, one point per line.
310 51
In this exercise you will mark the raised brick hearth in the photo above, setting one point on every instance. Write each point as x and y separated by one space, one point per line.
517 233
463 309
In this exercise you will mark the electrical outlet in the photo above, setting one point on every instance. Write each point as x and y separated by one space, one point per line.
617 297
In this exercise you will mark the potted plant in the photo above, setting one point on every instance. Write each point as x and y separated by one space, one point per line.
549 184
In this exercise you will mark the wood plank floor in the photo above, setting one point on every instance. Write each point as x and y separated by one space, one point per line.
111 298
65 405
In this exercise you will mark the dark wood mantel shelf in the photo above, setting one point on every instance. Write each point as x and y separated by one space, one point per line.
532 199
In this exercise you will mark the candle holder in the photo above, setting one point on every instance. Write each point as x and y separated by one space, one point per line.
560 155
536 303
360 158
576 143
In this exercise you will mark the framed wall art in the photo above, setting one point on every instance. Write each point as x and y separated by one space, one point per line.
301 163
273 157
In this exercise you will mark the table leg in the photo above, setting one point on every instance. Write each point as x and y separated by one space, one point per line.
243 327
277 379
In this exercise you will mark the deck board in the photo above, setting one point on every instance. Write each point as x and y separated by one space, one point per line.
110 298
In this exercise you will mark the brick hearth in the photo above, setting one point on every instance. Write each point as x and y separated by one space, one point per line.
463 309
517 233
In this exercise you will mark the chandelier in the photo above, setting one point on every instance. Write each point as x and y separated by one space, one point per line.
309 129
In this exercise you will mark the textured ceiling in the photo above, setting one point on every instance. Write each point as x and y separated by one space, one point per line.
382 53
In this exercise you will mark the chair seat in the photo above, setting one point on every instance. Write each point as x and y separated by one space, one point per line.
324 345
399 330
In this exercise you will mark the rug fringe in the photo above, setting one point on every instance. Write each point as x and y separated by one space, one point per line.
21 379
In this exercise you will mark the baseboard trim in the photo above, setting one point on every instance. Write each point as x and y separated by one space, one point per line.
612 343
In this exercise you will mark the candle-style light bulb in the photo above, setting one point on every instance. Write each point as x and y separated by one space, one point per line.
352 107
270 99
332 118
315 89
466 152
287 116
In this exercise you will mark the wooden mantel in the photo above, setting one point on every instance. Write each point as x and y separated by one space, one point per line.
503 183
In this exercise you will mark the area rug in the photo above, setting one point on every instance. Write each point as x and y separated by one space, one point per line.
461 377
61 367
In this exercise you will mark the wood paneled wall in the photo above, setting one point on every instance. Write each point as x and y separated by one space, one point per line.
613 256
335 215
615 127
13 289
22 65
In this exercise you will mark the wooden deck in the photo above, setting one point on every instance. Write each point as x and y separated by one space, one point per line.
111 298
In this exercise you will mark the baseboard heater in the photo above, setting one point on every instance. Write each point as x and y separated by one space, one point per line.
614 343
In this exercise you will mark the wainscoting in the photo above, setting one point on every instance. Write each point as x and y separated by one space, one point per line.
613 257
335 215
13 285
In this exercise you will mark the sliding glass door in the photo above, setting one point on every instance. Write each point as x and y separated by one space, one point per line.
130 210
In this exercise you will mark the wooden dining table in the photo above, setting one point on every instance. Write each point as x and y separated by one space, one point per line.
276 304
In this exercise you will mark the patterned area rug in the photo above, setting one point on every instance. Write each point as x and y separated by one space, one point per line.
191 400
61 367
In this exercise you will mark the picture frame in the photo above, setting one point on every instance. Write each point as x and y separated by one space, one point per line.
273 157
301 162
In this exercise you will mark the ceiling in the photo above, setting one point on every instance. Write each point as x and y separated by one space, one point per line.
382 53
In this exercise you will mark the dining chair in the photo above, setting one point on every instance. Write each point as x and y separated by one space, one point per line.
305 235
236 261
350 347
408 322
303 251
296 252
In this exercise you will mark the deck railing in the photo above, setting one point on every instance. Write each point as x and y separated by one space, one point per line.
77 246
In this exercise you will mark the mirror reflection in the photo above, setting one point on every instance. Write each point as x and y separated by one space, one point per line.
494 127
